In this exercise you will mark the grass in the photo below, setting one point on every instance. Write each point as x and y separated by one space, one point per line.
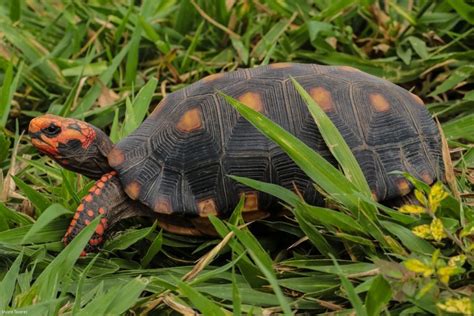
107 62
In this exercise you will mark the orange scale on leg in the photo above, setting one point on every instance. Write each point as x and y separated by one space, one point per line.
101 210
100 229
88 198
100 185
90 213
76 216
87 222
97 191
80 208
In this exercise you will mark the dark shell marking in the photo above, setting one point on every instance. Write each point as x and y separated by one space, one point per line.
178 160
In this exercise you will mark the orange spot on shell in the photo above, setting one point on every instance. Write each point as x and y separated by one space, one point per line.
379 102
133 190
253 100
190 121
349 68
115 158
207 207
426 177
163 206
250 202
280 65
403 186
323 97
213 77
417 99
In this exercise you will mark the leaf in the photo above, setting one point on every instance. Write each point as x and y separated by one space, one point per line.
36 198
419 46
264 263
465 10
351 293
125 240
378 296
48 281
316 238
51 213
8 283
408 239
154 248
202 303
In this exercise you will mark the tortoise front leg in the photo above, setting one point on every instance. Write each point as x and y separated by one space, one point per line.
108 199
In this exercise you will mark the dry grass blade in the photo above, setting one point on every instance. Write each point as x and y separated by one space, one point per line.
171 301
207 258
214 22
448 164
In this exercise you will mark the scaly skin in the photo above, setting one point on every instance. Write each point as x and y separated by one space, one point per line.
81 147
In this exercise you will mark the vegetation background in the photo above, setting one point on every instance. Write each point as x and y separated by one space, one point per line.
111 62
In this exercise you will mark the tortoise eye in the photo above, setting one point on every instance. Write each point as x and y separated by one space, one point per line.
52 130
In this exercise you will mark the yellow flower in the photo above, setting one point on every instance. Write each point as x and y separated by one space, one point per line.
412 209
457 261
417 266
421 197
444 273
422 231
436 195
460 305
437 229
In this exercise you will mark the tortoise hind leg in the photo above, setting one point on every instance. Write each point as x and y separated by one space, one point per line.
108 199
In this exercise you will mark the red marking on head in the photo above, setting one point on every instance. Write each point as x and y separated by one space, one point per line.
49 131
101 210
100 229
90 213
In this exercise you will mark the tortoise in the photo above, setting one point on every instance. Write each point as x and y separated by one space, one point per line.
174 166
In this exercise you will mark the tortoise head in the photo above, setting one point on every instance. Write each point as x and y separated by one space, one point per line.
74 144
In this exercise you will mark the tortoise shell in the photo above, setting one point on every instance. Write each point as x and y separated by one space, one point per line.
178 160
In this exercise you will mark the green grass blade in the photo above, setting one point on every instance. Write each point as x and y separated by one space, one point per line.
125 240
47 281
8 283
202 303
335 142
51 213
350 291
264 263
378 296
37 198
315 166
316 238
